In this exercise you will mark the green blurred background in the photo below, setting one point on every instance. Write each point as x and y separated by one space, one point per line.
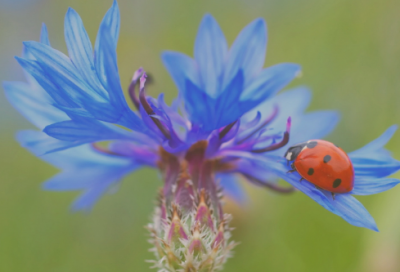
350 53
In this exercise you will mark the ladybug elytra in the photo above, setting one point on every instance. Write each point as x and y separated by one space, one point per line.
323 164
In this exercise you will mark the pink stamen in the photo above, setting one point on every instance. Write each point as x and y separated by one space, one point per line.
288 124
137 74
131 89
143 80
146 106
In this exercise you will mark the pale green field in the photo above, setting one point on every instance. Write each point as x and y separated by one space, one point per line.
350 53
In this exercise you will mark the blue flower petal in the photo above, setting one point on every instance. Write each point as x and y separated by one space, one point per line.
232 187
84 130
78 43
314 125
40 143
107 60
83 168
57 94
375 148
111 21
210 113
210 53
80 49
198 105
201 82
84 156
75 87
270 81
54 60
111 176
95 180
227 107
264 177
373 160
373 186
76 179
370 168
290 103
44 35
58 68
110 27
247 52
72 88
33 103
181 68
89 197
351 210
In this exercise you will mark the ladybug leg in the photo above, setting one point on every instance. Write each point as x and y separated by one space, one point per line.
333 196
316 187
293 168
302 179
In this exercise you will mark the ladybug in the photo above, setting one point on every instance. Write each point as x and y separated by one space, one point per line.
323 164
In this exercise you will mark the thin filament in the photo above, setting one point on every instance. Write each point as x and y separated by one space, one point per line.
275 146
146 106
265 123
131 89
269 185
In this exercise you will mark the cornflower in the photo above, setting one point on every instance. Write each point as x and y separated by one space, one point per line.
228 121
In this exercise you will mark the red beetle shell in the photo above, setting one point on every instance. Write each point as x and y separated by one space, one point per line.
326 166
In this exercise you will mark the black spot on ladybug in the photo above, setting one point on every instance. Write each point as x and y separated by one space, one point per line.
310 171
312 144
337 182
327 158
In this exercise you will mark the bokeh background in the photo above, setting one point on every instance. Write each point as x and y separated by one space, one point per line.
350 54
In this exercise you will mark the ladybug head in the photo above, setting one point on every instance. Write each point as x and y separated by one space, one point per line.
293 151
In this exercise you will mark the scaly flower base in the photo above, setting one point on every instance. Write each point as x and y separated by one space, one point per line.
193 242
189 231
